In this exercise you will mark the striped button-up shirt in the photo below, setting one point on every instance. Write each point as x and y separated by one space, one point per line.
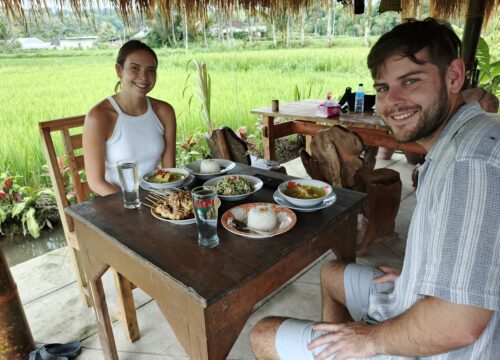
453 246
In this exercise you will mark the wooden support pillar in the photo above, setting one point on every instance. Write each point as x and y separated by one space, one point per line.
16 341
470 39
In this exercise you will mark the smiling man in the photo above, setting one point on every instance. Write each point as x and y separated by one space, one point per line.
445 302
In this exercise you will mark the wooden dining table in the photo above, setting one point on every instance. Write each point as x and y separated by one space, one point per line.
300 118
206 295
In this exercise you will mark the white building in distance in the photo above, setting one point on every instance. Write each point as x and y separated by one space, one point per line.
82 42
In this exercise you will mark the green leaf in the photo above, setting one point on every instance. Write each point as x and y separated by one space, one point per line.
18 208
33 227
3 215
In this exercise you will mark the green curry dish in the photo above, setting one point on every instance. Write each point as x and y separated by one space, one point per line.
162 177
233 185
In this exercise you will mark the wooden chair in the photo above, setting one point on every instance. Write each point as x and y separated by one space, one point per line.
225 144
70 130
339 157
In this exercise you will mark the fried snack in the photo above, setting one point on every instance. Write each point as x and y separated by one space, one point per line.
176 206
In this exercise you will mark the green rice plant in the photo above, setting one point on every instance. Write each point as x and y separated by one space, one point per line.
60 84
203 91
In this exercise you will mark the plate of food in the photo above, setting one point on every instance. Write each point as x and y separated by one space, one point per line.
259 220
165 178
174 206
328 201
187 180
305 193
210 168
235 187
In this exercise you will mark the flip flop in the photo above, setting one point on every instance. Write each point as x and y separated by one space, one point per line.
68 350
35 355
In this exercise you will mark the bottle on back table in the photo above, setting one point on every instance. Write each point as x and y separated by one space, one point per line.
359 99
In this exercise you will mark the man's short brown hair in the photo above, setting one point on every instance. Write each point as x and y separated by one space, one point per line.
410 37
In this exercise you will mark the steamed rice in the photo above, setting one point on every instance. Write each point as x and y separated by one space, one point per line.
262 217
209 166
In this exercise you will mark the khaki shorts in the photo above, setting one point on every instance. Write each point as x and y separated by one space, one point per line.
294 335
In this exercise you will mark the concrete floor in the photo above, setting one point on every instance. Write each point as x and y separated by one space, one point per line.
55 312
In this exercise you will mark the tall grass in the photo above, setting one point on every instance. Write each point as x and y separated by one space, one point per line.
36 88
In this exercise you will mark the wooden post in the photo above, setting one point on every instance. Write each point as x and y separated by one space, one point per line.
16 341
470 39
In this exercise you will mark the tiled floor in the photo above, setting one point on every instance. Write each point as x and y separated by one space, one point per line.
56 314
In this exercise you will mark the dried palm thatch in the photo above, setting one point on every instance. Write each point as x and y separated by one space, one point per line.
129 8
445 9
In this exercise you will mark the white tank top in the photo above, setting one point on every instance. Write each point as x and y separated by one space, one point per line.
134 137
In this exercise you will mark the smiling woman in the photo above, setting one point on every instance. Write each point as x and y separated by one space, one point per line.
129 124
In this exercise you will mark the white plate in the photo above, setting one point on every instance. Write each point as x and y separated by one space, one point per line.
194 168
286 219
178 222
328 201
255 184
188 180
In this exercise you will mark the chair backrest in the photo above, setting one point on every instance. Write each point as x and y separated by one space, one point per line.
225 144
71 133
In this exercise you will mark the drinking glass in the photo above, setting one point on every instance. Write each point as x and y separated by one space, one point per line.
129 181
205 210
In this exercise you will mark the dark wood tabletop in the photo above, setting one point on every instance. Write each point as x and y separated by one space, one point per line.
210 273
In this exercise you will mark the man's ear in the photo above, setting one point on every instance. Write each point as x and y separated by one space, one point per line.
455 76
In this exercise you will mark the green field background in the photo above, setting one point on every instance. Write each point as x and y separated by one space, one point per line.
54 85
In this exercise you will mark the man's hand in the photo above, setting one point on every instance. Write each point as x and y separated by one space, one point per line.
390 275
352 340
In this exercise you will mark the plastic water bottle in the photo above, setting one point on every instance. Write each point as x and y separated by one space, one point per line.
359 100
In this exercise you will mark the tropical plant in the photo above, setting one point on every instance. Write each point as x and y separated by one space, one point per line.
191 147
203 91
489 72
33 209
306 93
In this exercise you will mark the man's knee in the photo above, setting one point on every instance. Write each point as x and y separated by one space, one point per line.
263 335
332 279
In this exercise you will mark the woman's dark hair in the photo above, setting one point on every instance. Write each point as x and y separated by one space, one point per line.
128 48
410 37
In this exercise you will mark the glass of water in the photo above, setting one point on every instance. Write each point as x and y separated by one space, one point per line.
205 210
129 181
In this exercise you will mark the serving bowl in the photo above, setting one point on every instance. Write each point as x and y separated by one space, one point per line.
255 184
305 183
194 168
165 185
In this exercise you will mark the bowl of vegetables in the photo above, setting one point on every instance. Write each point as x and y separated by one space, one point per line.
305 192
165 178
235 187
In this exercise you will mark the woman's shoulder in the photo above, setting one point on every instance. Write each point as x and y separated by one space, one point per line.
102 116
160 105
162 109
102 111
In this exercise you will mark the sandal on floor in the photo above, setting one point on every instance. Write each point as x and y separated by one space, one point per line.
57 351
35 355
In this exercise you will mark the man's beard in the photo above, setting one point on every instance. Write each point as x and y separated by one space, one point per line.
429 121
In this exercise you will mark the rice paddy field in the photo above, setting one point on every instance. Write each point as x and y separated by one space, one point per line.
36 87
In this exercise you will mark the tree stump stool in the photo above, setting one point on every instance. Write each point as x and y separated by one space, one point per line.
383 187
339 158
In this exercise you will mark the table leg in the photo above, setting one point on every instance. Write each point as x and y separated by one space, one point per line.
94 269
268 137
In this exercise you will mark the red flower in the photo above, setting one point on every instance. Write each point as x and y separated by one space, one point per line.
3 195
8 183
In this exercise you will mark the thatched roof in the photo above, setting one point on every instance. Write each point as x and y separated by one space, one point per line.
128 8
